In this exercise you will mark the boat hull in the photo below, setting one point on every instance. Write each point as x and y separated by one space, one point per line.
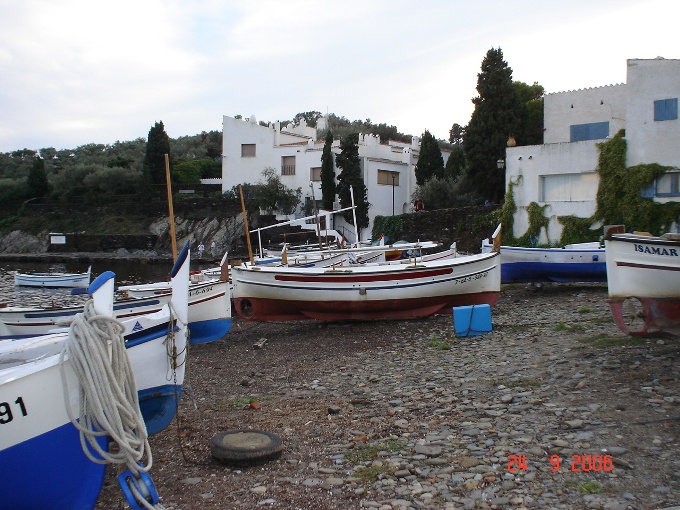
38 321
209 307
561 265
71 280
43 462
644 283
400 291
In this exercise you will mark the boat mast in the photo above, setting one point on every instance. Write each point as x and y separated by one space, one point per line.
245 226
173 234
354 216
316 216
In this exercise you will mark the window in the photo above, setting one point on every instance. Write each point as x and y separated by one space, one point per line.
668 185
247 150
568 187
288 165
315 174
388 177
592 131
666 109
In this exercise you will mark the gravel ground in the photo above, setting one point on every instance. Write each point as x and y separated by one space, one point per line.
404 414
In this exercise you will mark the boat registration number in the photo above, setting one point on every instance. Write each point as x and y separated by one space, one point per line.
6 414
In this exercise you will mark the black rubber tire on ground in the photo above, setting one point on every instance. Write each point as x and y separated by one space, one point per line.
245 446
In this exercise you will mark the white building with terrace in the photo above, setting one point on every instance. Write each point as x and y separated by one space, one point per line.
561 173
294 152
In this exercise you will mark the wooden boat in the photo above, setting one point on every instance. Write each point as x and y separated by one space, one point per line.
583 262
50 463
31 321
76 280
643 276
148 340
209 306
371 291
44 463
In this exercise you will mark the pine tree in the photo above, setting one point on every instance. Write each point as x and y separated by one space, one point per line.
157 146
328 186
430 161
496 116
350 175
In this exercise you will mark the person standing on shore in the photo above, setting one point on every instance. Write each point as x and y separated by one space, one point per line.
201 249
213 249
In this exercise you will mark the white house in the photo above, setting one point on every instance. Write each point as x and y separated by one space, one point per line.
295 154
562 172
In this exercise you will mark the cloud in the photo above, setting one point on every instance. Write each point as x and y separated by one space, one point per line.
78 71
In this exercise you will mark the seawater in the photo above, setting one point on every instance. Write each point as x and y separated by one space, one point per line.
126 274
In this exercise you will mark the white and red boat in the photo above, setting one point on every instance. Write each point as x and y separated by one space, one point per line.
371 291
643 276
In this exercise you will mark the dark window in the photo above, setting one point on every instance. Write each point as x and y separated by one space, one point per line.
288 165
668 185
666 109
248 150
592 131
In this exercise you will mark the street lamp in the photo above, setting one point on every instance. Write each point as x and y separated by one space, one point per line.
500 164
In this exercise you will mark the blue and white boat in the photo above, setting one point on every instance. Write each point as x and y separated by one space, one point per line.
43 460
209 305
32 321
582 262
75 280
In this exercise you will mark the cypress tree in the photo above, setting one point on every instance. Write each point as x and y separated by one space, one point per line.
157 146
328 186
497 116
430 161
37 179
350 175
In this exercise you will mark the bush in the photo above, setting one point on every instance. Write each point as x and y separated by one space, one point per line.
445 193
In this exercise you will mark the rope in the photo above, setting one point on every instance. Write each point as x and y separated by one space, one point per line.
109 404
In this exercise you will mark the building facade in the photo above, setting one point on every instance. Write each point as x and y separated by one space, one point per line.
561 173
294 152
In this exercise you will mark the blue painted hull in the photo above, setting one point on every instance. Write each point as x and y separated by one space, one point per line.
202 332
159 406
61 476
530 272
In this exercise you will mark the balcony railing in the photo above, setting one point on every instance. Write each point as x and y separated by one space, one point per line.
288 170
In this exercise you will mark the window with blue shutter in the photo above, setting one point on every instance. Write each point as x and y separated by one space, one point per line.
591 131
666 109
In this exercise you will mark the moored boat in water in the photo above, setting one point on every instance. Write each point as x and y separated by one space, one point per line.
55 279
643 277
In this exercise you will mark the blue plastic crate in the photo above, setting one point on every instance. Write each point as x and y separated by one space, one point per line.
472 320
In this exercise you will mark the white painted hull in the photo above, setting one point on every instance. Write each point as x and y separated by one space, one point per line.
579 263
39 321
643 275
72 280
380 291
209 306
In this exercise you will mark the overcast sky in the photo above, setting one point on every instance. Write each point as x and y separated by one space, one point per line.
74 72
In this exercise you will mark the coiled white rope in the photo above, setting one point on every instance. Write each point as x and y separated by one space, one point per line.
109 405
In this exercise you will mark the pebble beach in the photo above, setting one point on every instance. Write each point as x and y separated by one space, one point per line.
553 408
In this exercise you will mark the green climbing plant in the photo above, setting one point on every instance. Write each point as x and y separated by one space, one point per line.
620 200
537 221
391 226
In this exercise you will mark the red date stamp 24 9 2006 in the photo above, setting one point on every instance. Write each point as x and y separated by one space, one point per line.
579 463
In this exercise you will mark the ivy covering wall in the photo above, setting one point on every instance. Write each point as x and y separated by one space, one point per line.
619 202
